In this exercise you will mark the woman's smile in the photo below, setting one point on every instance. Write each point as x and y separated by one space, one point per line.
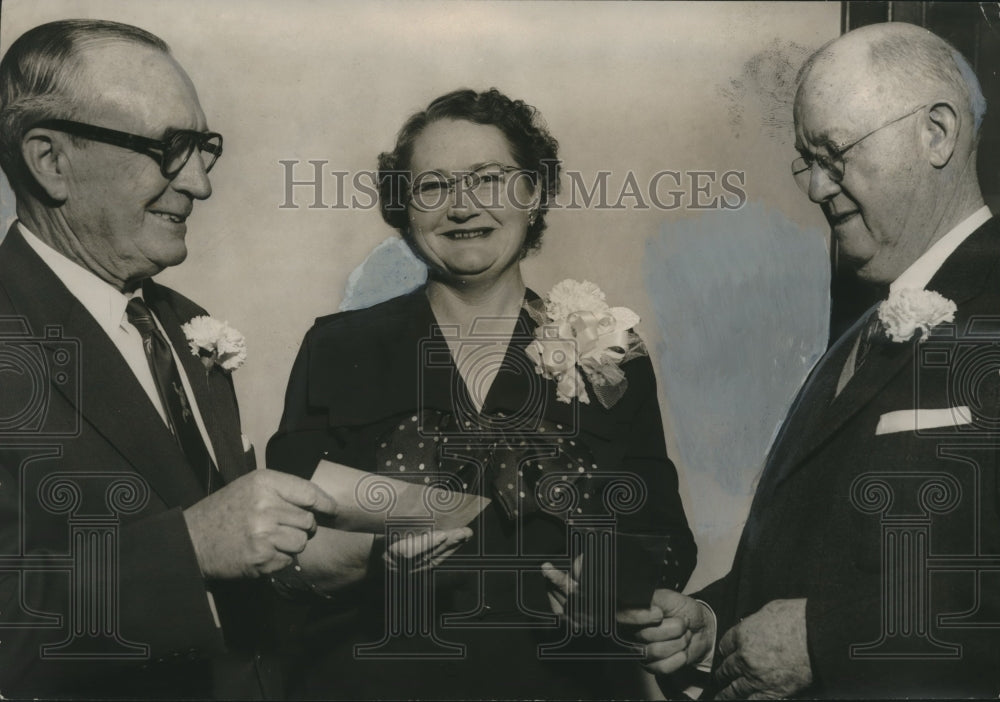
464 234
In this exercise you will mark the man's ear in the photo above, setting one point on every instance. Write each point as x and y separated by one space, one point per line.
943 123
42 150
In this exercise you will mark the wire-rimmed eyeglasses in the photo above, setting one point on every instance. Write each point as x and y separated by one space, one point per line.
833 163
483 186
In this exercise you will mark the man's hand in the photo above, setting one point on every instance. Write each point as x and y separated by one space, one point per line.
418 552
765 655
676 630
255 524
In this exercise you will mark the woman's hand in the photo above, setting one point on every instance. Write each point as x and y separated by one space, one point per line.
418 552
562 585
334 559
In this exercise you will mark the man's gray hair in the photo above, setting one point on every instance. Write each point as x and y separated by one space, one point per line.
38 78
916 65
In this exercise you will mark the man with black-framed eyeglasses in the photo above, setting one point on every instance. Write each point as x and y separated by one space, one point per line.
867 565
105 397
172 152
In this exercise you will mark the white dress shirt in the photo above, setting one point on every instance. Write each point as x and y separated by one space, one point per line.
919 274
107 306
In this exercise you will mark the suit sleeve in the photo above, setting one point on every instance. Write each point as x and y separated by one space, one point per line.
303 435
646 457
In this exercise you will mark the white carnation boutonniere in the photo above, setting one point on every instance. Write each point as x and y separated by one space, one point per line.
579 332
908 310
215 343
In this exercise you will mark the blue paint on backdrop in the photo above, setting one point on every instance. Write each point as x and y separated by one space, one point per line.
389 270
742 301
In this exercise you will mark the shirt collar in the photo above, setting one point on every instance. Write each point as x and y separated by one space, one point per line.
923 269
104 302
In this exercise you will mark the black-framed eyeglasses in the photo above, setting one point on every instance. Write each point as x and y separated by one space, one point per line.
833 164
172 153
484 186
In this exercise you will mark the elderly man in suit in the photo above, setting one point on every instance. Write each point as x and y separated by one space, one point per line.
867 566
107 149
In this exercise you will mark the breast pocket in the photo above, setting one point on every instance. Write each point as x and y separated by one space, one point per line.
923 420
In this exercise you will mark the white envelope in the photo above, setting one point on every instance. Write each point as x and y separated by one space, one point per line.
923 419
366 500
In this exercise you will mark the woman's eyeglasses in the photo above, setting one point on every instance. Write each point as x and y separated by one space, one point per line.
482 187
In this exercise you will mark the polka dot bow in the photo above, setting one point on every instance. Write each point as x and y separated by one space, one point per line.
526 472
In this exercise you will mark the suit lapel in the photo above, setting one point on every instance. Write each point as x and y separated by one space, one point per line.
884 362
962 276
810 407
212 388
110 398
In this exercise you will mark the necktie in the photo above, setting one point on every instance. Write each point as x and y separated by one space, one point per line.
870 333
172 395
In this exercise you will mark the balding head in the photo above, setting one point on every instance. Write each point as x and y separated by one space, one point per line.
893 66
889 114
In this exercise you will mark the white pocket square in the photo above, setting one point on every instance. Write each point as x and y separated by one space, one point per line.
923 419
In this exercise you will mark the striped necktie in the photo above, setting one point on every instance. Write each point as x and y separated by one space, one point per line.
171 391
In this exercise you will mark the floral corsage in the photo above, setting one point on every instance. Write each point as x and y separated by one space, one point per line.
910 309
578 331
215 343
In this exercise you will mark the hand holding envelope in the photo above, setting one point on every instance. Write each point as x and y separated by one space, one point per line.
366 500
339 554
419 552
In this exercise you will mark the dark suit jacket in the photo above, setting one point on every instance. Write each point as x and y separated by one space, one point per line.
69 404
821 528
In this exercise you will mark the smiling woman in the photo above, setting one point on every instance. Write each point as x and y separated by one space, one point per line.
463 233
440 386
